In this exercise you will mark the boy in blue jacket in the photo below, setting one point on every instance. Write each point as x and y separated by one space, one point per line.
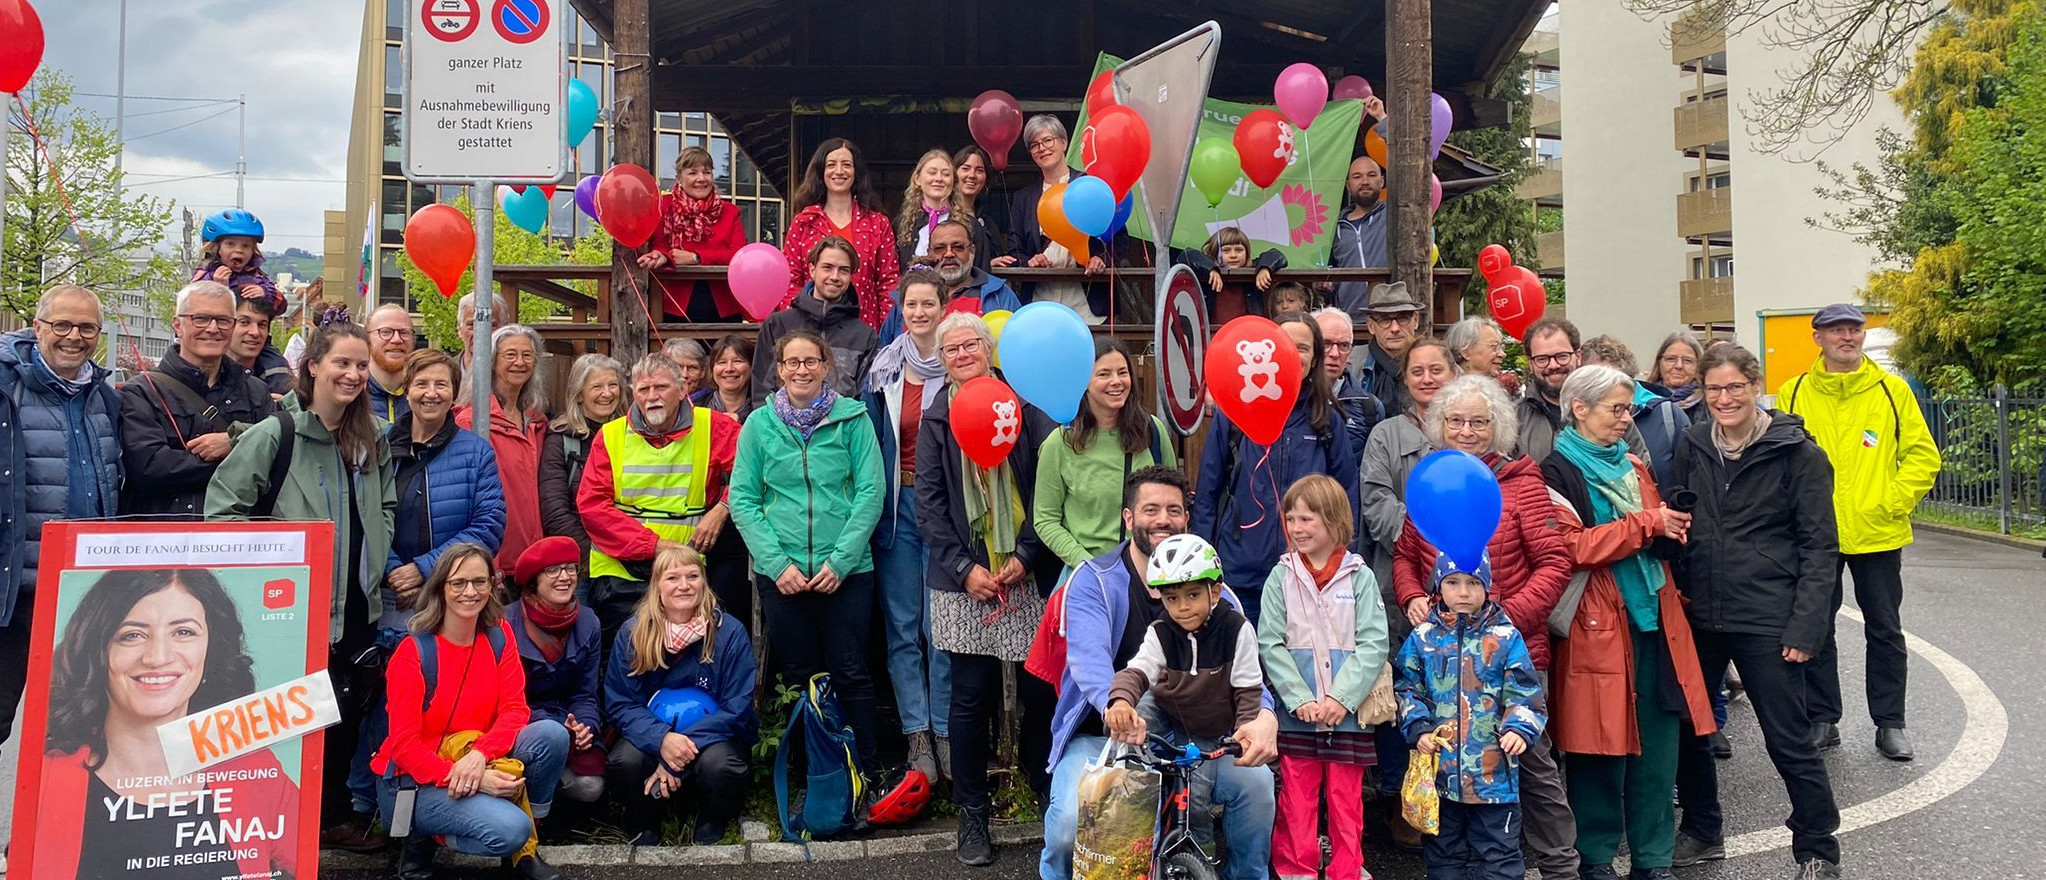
1468 692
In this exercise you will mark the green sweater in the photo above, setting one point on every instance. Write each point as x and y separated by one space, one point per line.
1078 509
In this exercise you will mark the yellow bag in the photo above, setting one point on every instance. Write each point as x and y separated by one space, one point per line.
1420 802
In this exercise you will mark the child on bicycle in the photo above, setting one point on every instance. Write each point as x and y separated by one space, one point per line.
1466 671
1323 638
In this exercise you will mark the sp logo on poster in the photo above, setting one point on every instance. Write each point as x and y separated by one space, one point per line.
257 721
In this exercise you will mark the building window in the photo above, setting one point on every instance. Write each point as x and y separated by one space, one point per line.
667 149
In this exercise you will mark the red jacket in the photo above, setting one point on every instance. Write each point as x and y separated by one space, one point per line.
726 238
465 697
64 790
622 537
872 236
518 467
1530 563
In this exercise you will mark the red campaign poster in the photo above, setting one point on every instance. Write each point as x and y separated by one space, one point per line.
176 689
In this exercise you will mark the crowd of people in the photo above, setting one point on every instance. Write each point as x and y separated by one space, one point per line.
514 612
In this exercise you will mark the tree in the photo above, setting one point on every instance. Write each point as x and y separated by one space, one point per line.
512 246
110 248
1495 214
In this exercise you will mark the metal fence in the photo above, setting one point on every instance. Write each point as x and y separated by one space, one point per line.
1991 449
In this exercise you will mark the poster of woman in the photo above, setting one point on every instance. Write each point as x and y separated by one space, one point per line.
140 628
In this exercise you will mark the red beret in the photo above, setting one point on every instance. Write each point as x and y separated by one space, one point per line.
544 554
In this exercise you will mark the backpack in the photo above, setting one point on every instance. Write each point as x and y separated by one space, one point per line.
832 785
280 470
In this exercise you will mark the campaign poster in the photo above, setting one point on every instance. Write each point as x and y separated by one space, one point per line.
177 684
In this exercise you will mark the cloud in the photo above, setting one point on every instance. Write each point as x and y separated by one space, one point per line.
294 62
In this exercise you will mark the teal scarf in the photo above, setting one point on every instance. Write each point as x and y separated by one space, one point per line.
1615 493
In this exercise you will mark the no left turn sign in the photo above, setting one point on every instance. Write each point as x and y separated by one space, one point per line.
450 20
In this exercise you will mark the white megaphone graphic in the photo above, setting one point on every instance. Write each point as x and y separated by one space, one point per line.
1268 223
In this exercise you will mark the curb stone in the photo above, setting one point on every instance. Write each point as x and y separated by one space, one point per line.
755 852
1979 535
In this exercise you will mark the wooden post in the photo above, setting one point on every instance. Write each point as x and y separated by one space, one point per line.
632 140
1410 69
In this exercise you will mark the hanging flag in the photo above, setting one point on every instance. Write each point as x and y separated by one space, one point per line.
369 250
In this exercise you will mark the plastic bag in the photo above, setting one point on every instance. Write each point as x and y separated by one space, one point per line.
1118 819
1420 802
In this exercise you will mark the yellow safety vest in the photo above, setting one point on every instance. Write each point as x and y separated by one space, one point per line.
663 488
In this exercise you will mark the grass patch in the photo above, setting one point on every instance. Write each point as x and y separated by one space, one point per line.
1981 522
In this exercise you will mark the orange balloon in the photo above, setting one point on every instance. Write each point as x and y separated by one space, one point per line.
1374 146
1051 218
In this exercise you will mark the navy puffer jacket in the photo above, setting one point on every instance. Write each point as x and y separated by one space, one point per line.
35 479
448 491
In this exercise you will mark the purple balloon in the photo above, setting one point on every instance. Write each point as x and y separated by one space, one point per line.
1440 121
586 194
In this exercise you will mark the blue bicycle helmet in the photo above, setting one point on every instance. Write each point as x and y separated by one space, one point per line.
233 221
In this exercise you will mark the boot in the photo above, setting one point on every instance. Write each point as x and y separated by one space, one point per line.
1894 743
944 756
415 860
1691 851
1825 734
921 756
533 868
976 848
1651 874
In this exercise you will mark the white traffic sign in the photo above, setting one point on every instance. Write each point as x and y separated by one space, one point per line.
484 103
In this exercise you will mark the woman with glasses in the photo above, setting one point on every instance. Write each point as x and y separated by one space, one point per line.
1044 136
1676 369
559 645
836 198
806 492
1530 567
1625 677
1480 347
518 423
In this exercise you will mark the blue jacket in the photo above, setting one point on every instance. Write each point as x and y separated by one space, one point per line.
729 678
385 404
1097 607
40 466
1248 535
275 371
995 296
567 686
1439 657
448 491
1660 418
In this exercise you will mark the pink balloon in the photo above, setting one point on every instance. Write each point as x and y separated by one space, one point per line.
1434 193
759 277
1352 88
1301 92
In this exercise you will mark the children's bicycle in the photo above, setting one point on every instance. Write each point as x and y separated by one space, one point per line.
1177 855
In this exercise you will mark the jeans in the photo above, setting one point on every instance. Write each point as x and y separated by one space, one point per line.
920 673
544 746
376 725
1245 793
1879 591
717 778
1776 688
14 639
481 824
1476 842
808 633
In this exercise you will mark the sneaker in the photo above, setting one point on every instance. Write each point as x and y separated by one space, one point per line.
1690 851
1722 748
976 848
1597 872
922 756
944 755
1817 869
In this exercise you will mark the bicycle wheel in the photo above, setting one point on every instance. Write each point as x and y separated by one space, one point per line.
1184 865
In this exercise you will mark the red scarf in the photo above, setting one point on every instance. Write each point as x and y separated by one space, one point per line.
1325 573
692 219
549 628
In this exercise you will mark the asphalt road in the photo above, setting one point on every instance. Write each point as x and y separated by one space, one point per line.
1977 712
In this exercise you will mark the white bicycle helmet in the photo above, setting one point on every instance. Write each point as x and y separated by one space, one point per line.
1181 559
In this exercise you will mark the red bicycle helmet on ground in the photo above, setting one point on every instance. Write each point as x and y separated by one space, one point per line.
908 794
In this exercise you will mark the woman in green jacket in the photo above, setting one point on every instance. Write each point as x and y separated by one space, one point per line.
340 471
1081 466
806 494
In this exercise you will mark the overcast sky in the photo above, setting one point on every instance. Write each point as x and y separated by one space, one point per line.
294 60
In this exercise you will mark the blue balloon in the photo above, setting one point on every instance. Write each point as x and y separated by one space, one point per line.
1048 357
582 111
1453 500
1122 215
682 707
526 210
1089 205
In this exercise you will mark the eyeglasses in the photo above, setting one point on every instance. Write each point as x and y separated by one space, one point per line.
1455 423
1616 410
958 349
802 363
1737 389
1550 360
960 248
390 333
1046 142
1341 344
465 586
569 568
1678 361
203 321
65 328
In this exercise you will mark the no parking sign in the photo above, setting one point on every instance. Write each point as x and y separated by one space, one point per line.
484 103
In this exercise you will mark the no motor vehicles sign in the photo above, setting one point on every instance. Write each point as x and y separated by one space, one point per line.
484 103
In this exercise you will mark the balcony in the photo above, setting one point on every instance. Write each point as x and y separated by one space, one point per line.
1547 113
1699 39
1549 248
1706 213
1544 182
1543 45
1706 301
1701 125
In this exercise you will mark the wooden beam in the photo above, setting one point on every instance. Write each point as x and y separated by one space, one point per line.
1505 44
597 13
1410 71
632 133
724 88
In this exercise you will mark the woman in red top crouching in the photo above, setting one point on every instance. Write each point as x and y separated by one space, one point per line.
463 740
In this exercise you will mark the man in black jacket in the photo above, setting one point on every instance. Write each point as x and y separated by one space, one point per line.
829 307
179 420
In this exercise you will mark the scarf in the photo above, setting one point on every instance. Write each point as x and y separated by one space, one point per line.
807 419
993 507
1616 493
1323 574
692 219
549 628
1687 396
1731 448
66 387
900 361
682 635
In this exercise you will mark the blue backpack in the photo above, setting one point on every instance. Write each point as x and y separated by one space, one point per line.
832 785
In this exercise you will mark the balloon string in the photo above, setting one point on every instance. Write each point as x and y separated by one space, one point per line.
1262 511
56 178
632 278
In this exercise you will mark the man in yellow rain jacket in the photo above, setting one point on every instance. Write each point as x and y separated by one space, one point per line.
1884 460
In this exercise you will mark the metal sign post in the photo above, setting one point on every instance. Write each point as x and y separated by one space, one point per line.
484 106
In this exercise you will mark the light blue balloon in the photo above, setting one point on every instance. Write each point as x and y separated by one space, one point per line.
526 210
1048 356
1090 206
582 111
1453 500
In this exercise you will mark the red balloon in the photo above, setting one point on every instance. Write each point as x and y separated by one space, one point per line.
1115 147
629 204
1101 93
1254 375
21 44
1517 299
987 420
1264 144
440 241
1492 259
545 189
996 120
